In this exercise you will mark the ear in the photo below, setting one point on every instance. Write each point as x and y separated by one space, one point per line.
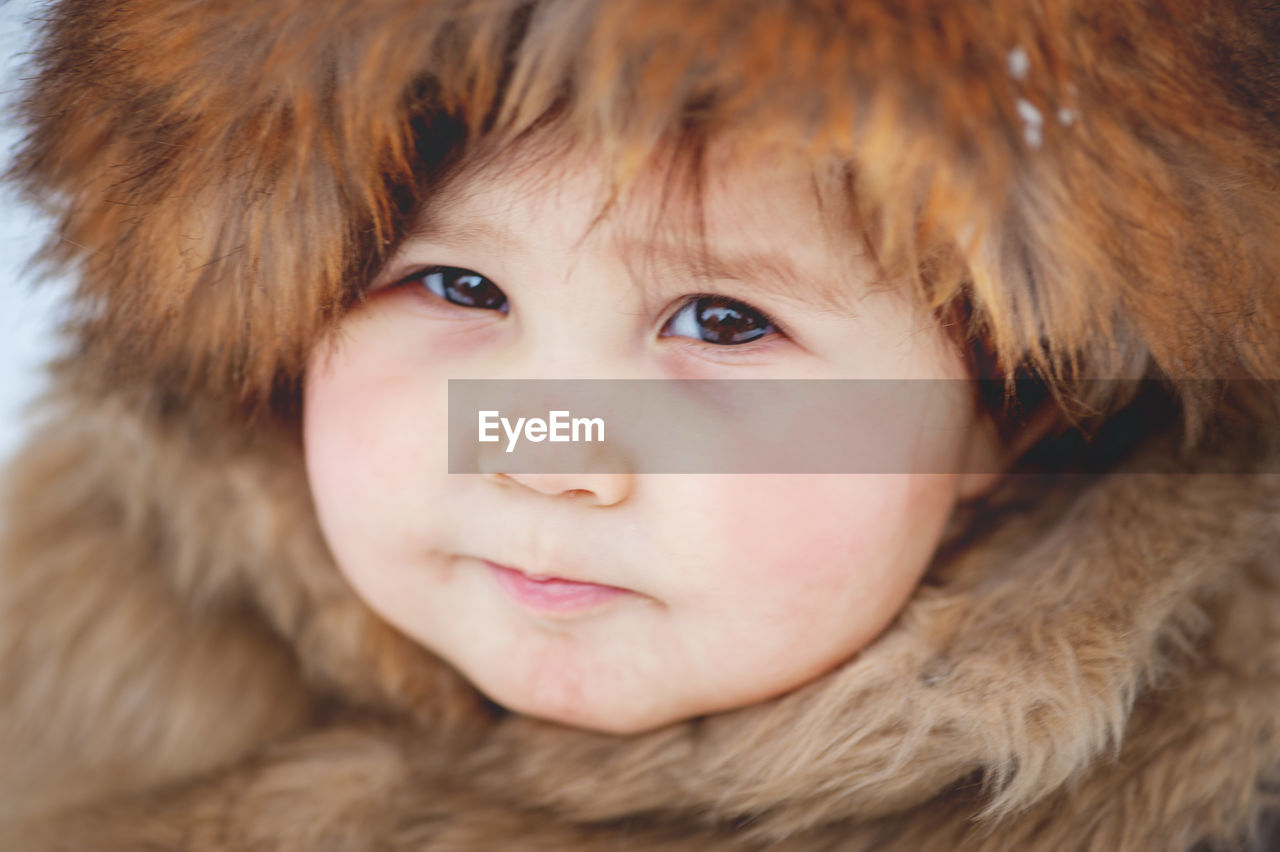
988 459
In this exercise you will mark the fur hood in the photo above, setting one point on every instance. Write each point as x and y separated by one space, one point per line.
1097 667
1092 662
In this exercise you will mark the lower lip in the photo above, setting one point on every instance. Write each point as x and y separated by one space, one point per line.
553 595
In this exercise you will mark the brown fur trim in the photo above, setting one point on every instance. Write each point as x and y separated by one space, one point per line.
229 174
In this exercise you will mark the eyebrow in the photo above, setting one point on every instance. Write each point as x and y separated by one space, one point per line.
755 272
466 235
769 274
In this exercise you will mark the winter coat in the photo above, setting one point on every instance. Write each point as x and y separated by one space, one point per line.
1092 662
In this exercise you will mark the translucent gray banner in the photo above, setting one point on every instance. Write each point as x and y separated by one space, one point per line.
785 426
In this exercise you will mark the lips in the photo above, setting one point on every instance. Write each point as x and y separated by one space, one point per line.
553 595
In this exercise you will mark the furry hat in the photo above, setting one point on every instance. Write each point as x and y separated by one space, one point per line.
1096 181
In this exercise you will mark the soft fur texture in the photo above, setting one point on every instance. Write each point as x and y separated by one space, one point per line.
1093 662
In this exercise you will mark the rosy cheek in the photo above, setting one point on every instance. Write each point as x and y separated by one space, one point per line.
780 536
331 430
360 418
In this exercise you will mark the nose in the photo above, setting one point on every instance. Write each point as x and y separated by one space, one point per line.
596 489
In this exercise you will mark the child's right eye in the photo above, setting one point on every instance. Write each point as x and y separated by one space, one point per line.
463 287
720 321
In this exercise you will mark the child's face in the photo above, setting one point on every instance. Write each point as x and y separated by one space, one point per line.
734 588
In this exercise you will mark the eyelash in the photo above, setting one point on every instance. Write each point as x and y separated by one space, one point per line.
725 305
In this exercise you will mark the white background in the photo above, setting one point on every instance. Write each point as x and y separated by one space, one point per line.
28 303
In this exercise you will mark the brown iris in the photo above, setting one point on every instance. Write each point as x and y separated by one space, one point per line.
464 287
726 322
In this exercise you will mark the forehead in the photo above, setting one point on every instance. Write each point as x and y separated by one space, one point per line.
768 220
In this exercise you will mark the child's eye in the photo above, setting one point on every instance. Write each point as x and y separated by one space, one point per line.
719 320
463 287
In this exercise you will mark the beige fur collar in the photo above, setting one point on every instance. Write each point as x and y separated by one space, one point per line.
1100 669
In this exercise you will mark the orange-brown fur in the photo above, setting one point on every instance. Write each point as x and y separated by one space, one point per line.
1095 663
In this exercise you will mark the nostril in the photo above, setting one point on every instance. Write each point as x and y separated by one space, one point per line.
537 483
601 490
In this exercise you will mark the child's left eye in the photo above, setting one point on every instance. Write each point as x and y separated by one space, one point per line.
719 320
463 287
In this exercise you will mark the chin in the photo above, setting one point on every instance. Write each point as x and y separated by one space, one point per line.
619 715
